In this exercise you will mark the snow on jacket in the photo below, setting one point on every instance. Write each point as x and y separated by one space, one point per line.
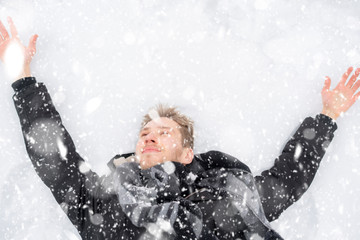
176 201
92 202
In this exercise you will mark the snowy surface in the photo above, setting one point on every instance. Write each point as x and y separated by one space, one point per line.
247 72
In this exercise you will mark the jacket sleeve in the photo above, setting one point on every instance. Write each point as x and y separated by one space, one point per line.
295 168
78 190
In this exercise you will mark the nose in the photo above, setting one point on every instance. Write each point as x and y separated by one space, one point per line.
150 138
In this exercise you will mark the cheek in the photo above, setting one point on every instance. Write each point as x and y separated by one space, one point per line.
139 145
169 142
173 145
176 142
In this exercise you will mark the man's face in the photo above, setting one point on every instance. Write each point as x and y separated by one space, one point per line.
160 141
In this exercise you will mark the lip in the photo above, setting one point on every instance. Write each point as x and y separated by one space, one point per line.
150 149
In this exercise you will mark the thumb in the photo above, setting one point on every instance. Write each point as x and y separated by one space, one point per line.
32 44
327 84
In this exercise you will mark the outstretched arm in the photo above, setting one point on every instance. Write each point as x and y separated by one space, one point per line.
295 168
87 199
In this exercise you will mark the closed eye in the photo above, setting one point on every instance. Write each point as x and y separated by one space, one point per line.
165 133
143 134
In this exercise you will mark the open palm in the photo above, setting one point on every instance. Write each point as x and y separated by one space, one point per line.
343 96
23 53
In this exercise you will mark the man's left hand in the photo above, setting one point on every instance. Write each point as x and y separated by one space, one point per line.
340 99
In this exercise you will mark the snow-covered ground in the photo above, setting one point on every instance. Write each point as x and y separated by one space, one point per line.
247 72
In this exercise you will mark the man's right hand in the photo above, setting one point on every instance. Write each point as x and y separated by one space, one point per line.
14 54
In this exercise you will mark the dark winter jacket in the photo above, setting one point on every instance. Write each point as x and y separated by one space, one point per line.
98 210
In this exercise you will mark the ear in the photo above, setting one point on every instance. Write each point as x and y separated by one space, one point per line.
188 156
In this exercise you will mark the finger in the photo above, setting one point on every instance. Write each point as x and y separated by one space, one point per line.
327 84
3 31
356 86
353 78
355 97
32 44
13 30
345 76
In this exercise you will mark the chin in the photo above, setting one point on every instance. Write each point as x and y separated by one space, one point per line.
148 161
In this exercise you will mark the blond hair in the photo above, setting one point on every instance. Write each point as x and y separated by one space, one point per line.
186 124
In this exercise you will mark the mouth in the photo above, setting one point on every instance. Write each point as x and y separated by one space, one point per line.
150 149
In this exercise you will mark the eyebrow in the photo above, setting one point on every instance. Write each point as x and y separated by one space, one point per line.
162 127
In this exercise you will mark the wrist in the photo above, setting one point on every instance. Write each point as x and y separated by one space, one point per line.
330 113
24 73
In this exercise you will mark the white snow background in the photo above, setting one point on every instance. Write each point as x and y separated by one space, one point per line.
247 72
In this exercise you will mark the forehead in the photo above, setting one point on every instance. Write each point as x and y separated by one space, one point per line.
162 122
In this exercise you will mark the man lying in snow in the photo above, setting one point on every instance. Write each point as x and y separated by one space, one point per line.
163 190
